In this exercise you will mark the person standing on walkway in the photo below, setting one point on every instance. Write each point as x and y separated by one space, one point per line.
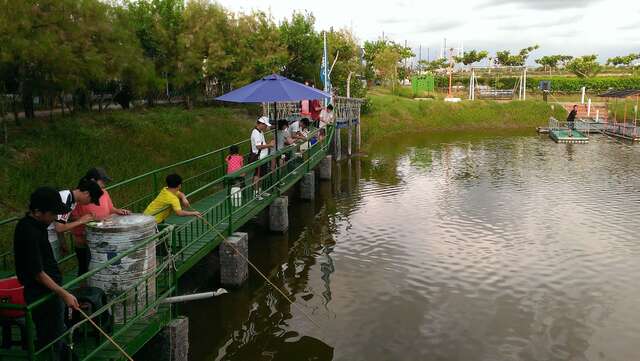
99 212
170 199
37 268
85 193
260 150
305 106
327 116
571 118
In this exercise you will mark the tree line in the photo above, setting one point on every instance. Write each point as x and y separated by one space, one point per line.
585 66
75 53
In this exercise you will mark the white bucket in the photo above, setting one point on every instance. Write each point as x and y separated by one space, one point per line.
236 196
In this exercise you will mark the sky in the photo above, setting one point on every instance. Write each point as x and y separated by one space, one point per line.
573 27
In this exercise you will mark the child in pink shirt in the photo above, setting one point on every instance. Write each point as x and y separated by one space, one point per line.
234 160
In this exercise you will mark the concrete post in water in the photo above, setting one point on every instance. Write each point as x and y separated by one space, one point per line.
349 135
174 341
325 168
279 214
338 144
308 186
582 97
234 269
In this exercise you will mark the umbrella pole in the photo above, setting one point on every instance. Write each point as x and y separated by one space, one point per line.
275 116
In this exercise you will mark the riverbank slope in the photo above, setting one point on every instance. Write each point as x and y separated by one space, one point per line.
390 114
128 143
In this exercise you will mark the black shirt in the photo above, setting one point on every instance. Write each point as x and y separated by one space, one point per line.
33 254
572 116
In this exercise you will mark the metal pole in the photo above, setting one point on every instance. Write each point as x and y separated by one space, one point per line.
349 137
524 86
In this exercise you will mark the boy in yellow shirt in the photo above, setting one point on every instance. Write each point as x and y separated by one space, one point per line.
170 199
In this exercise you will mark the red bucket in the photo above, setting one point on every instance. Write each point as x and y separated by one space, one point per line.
11 291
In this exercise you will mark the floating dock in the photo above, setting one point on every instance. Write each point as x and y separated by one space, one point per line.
560 133
623 131
563 136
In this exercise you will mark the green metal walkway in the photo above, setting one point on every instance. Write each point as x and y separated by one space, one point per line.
181 243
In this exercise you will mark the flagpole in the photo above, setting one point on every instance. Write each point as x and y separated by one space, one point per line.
325 60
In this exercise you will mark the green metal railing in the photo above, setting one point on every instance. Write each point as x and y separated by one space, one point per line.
180 245
137 192
140 297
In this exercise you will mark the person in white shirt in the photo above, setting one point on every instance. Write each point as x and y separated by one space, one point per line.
86 192
327 116
260 149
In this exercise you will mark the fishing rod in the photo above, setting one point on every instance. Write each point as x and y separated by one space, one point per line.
104 334
260 273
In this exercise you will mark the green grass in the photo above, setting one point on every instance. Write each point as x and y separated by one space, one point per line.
392 114
57 152
617 110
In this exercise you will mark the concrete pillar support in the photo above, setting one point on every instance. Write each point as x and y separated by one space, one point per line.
234 269
308 186
174 341
325 168
279 214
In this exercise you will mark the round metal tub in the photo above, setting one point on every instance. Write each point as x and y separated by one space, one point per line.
109 239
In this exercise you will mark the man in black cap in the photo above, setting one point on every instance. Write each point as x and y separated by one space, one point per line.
85 193
37 269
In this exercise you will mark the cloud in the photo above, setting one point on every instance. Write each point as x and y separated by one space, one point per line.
553 23
393 20
543 4
438 25
630 26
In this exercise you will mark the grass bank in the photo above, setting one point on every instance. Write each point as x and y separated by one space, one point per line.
128 143
391 114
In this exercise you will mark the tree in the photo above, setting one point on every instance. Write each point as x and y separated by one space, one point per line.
553 62
257 48
344 47
470 57
433 65
60 47
304 46
623 60
386 64
157 24
505 57
586 66
202 51
373 48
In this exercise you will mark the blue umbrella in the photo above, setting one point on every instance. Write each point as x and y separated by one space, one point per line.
273 88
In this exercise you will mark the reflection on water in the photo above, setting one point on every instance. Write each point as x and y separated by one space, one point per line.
462 247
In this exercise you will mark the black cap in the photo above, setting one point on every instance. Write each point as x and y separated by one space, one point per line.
47 199
98 173
95 192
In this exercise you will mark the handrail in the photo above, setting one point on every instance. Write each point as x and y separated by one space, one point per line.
102 266
119 185
221 214
270 157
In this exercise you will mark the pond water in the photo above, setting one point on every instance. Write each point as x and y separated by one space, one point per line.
447 247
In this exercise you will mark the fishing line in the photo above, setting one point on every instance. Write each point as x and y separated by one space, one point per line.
262 274
105 334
